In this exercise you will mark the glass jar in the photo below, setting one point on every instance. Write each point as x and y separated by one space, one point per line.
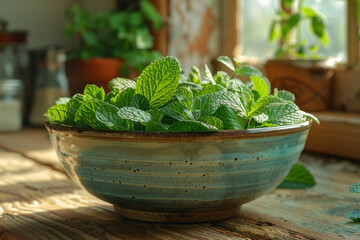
11 95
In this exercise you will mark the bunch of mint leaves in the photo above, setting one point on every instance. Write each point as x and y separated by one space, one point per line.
164 99
355 214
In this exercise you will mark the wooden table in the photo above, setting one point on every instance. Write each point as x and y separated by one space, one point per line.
38 201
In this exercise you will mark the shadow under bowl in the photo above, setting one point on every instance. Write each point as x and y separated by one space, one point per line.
178 176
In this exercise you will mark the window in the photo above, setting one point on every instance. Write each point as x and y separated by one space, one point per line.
256 17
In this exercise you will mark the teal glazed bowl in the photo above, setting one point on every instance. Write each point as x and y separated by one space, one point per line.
178 176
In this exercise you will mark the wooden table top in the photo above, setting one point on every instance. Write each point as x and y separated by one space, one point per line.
38 201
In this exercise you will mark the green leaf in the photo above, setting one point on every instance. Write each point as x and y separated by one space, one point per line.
308 12
286 95
85 115
120 84
229 118
299 177
234 101
354 215
194 78
59 114
261 118
89 37
159 80
355 188
92 91
191 126
325 39
275 31
185 97
141 102
213 121
143 39
261 86
150 13
290 24
208 104
177 111
222 78
247 71
208 76
226 61
288 118
124 98
134 114
317 26
208 88
62 100
75 102
288 3
308 115
191 86
155 122
107 114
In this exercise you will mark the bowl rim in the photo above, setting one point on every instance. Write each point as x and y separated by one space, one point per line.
178 136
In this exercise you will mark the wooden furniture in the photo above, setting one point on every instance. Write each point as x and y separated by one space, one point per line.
338 134
39 201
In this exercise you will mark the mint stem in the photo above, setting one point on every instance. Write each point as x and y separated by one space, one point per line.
247 123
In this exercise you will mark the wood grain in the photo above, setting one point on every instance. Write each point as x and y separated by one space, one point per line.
37 202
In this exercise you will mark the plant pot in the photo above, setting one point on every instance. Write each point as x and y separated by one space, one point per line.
178 177
309 80
98 71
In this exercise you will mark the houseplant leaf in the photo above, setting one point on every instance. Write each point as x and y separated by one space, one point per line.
299 177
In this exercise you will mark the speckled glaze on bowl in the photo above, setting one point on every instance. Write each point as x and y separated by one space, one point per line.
178 177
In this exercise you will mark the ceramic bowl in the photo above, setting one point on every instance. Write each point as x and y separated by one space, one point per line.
178 176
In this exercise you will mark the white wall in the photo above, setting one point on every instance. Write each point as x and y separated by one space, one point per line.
44 19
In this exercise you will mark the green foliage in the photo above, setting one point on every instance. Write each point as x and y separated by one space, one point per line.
299 177
285 30
121 34
157 102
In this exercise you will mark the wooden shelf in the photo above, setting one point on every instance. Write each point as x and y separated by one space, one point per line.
338 134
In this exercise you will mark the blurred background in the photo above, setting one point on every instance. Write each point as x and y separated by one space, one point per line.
51 49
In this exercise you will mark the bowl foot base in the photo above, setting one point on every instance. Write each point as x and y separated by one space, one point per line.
178 217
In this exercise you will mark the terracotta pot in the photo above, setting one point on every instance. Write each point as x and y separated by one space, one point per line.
309 80
98 71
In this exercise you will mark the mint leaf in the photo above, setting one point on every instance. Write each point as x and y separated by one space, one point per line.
245 95
208 88
226 61
213 121
354 215
59 114
92 91
177 111
120 84
134 114
261 86
229 118
62 100
121 99
247 71
288 119
208 76
75 102
190 85
286 95
261 118
257 107
222 78
185 97
308 115
107 114
85 115
299 177
208 104
141 102
191 126
155 122
233 101
355 188
159 80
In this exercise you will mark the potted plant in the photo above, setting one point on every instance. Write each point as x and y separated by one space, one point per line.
111 41
174 149
298 67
